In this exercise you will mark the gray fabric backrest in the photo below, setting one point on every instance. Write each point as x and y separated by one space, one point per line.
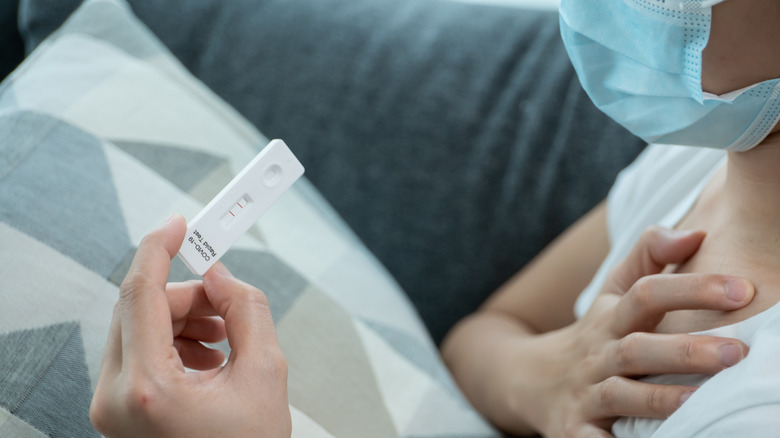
11 45
454 139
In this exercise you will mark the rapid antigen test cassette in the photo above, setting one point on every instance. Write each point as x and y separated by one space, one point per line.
238 206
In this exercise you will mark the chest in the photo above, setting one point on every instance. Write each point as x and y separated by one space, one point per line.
767 294
727 250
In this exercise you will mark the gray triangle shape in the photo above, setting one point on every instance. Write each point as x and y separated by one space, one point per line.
183 167
60 190
280 283
44 379
24 358
13 426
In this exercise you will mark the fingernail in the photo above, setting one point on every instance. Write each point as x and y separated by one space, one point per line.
731 354
737 290
679 234
168 219
684 398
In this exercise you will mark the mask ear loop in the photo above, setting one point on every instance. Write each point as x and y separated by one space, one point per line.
768 118
684 5
709 3
731 95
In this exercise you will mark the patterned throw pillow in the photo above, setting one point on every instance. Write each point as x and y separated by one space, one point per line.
102 135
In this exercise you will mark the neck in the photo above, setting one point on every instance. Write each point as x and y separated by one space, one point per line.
750 197
740 210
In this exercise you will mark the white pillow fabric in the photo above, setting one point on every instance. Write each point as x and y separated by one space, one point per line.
104 135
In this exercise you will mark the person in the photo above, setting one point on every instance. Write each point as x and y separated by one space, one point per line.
523 359
580 343
156 330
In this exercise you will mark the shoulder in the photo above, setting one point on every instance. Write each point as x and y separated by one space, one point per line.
656 189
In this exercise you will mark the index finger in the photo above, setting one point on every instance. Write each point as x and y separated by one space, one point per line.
656 248
248 321
143 305
648 301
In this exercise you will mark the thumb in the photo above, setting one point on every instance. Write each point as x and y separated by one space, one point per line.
143 306
656 248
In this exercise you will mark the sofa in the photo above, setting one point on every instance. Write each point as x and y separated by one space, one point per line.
444 144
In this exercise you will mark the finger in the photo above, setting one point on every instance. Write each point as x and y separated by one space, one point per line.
623 397
197 356
203 329
650 298
112 354
248 322
143 304
656 248
641 354
188 299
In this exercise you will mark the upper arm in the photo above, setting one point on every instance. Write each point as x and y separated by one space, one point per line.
543 293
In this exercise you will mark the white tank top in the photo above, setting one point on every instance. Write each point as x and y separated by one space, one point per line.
744 400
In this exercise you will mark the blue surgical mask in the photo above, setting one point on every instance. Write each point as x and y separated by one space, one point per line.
640 62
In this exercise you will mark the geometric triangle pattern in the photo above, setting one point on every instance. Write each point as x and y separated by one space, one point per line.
44 380
62 192
417 404
95 153
425 359
339 392
13 426
181 166
282 285
437 405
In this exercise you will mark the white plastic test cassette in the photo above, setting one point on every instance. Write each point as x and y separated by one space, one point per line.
239 205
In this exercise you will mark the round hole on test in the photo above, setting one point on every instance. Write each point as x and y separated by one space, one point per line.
272 176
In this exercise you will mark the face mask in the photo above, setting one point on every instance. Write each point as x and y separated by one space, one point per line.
640 62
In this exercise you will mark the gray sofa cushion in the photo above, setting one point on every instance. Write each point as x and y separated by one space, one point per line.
11 45
453 138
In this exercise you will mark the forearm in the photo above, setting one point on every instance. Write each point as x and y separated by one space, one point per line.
507 356
497 360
